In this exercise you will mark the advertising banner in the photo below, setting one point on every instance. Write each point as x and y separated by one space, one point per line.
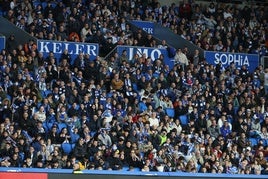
2 43
239 59
154 53
145 25
16 175
74 48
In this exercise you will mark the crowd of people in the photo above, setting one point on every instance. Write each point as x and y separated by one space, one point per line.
138 114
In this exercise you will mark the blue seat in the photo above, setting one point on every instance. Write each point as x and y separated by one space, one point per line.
236 108
36 3
265 142
183 119
170 112
53 4
44 5
61 126
156 75
66 148
45 126
109 95
253 141
47 92
9 97
49 125
74 138
73 146
135 87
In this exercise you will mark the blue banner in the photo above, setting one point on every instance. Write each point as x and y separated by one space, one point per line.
147 26
2 43
74 48
239 59
154 53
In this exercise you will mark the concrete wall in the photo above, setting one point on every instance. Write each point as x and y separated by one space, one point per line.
7 28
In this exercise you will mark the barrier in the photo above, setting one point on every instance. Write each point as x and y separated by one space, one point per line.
74 48
2 42
12 173
147 26
239 59
154 53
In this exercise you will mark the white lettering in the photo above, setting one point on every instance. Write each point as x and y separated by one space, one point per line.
73 49
231 59
148 30
227 59
155 54
237 60
246 61
79 48
217 58
131 53
224 59
57 47
91 50
141 52
44 47
66 46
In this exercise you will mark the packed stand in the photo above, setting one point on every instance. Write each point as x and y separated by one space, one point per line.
117 114
215 27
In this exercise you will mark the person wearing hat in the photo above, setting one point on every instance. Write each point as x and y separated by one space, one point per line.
108 46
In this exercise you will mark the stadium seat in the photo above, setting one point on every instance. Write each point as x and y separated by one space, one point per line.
45 126
44 5
156 75
66 148
109 95
45 93
21 156
170 112
49 125
183 119
53 4
35 4
253 141
236 109
61 126
74 138
135 87
265 142
73 146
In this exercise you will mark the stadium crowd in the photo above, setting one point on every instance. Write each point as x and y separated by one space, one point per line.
109 114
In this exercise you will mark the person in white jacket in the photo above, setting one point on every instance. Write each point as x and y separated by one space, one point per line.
181 58
266 81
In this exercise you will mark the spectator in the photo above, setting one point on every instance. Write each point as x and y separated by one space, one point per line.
11 43
80 149
181 59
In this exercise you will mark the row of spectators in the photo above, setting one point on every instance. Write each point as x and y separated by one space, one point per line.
217 27
115 113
